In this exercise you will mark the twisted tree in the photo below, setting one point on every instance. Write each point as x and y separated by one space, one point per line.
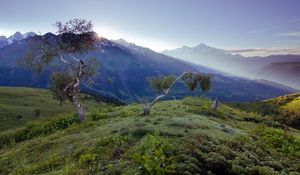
164 84
74 38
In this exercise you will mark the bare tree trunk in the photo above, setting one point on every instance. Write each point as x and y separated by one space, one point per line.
216 104
148 106
72 90
79 108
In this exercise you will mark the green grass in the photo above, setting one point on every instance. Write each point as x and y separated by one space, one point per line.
284 109
178 137
20 105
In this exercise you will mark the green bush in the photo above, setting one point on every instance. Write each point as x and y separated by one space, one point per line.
244 155
113 147
50 164
154 156
141 132
87 159
6 166
280 141
95 116
36 129
124 113
262 170
121 141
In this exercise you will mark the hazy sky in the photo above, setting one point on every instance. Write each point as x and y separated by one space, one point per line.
167 24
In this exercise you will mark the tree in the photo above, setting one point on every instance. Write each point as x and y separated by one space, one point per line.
74 38
164 84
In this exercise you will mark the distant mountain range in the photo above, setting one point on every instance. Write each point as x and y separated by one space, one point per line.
4 41
284 72
129 65
278 68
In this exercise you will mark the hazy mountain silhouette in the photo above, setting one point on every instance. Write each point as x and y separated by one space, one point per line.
250 67
129 65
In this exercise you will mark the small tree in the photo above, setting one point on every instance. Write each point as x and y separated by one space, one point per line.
74 38
164 84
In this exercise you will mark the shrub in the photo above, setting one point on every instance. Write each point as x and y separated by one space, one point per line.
124 113
36 129
95 116
121 141
244 155
87 159
141 132
6 166
280 141
113 147
52 163
154 156
262 170
37 113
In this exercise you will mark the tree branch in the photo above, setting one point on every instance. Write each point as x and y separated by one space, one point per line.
74 58
166 92
61 58
76 81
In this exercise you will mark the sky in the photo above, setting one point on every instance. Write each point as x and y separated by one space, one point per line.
239 26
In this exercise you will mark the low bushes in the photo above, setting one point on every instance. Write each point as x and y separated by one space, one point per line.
87 159
240 156
282 142
154 156
36 129
95 116
50 164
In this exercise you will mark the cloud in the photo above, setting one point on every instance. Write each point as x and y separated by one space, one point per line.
264 51
297 34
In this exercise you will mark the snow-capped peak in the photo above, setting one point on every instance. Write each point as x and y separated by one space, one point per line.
123 42
29 34
200 48
4 41
15 37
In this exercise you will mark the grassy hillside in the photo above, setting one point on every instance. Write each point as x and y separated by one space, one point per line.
179 137
285 109
20 105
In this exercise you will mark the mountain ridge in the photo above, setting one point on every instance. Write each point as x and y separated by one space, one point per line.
18 36
249 67
127 66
